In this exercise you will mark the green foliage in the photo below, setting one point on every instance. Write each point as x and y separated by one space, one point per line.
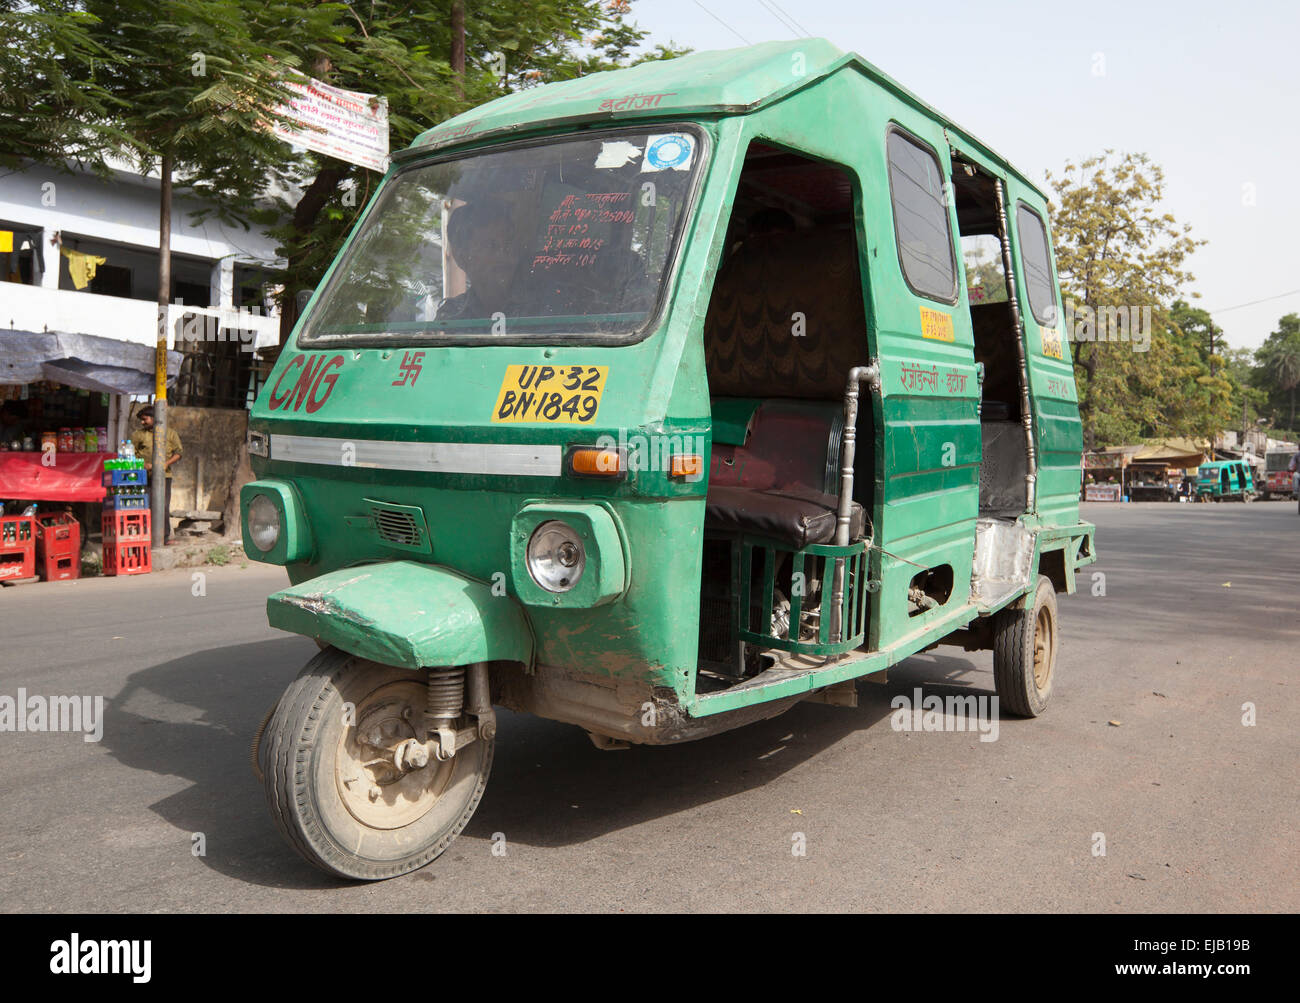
1277 372
1117 247
197 81
51 108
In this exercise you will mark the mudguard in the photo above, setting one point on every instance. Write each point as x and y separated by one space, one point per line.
406 614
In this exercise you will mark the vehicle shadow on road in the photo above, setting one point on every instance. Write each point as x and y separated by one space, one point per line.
194 717
551 787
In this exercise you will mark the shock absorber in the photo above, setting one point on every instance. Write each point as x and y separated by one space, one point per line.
445 703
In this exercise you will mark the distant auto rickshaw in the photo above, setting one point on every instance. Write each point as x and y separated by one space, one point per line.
1225 480
656 402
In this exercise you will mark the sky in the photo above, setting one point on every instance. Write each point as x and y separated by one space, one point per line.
1210 91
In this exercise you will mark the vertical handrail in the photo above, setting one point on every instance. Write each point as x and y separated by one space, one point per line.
844 513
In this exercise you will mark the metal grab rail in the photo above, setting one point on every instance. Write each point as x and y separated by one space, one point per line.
844 512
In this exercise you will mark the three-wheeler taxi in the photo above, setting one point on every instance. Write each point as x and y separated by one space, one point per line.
1224 480
655 402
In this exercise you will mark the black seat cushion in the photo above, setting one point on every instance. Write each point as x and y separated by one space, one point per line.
796 516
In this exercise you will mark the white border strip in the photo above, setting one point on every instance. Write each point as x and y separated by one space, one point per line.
428 457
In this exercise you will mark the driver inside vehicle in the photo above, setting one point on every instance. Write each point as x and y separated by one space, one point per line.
482 241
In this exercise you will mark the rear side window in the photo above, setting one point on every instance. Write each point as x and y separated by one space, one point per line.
921 218
1037 264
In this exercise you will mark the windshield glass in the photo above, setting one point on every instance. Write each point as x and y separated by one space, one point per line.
571 236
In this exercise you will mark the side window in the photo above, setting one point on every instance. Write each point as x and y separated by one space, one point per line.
1036 263
921 218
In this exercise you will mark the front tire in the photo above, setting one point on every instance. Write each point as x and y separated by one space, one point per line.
336 799
1025 642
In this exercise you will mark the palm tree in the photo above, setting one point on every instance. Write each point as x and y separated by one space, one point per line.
1280 356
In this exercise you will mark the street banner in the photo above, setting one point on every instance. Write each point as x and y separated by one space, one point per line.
348 125
1101 492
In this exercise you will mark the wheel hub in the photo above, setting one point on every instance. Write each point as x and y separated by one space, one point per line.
1044 641
378 783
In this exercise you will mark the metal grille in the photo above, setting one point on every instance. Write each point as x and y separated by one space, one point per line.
715 628
397 527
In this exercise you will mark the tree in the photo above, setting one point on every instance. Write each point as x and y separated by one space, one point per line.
1210 398
1278 370
191 86
1116 248
51 107
1240 364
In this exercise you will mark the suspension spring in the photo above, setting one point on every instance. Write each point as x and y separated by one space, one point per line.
446 697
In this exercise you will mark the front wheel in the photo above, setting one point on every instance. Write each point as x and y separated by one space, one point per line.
334 789
1024 652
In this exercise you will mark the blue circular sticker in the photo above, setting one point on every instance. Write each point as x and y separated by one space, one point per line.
668 151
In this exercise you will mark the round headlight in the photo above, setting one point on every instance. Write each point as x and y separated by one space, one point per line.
263 522
556 556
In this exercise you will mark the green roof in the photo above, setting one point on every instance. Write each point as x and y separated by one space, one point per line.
726 81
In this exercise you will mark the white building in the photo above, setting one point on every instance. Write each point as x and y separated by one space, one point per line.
218 271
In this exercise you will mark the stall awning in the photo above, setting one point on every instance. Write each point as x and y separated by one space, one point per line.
85 361
1180 453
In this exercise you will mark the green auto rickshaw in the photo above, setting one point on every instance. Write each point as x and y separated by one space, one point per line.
1225 480
656 402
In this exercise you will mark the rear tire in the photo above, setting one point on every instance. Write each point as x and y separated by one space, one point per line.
333 797
1025 643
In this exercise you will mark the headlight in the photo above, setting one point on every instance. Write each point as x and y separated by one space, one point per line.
556 557
263 523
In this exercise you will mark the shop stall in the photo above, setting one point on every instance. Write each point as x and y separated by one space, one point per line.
65 405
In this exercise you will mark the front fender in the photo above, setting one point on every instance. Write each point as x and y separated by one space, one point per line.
407 614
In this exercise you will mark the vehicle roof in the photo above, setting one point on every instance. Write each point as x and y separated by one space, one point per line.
720 82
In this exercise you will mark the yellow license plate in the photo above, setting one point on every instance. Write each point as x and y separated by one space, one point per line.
550 395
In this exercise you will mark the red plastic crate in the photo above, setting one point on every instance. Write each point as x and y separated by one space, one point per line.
127 558
58 546
126 526
17 547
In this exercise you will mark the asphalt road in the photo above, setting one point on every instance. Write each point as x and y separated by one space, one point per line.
1200 615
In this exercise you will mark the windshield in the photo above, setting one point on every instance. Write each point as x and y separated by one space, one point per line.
574 236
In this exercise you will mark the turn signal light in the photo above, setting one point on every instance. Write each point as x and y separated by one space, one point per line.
596 462
689 466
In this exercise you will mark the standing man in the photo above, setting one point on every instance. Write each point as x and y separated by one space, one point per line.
1294 468
142 440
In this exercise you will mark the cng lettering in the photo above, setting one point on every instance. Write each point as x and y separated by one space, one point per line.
312 383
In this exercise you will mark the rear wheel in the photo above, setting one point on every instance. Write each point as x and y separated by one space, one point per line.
1025 642
334 788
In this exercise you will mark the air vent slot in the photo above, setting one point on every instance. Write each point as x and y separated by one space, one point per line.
401 526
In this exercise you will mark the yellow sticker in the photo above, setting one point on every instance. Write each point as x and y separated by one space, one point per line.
550 395
936 325
6 241
1051 342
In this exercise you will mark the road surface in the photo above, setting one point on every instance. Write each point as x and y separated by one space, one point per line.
1196 613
